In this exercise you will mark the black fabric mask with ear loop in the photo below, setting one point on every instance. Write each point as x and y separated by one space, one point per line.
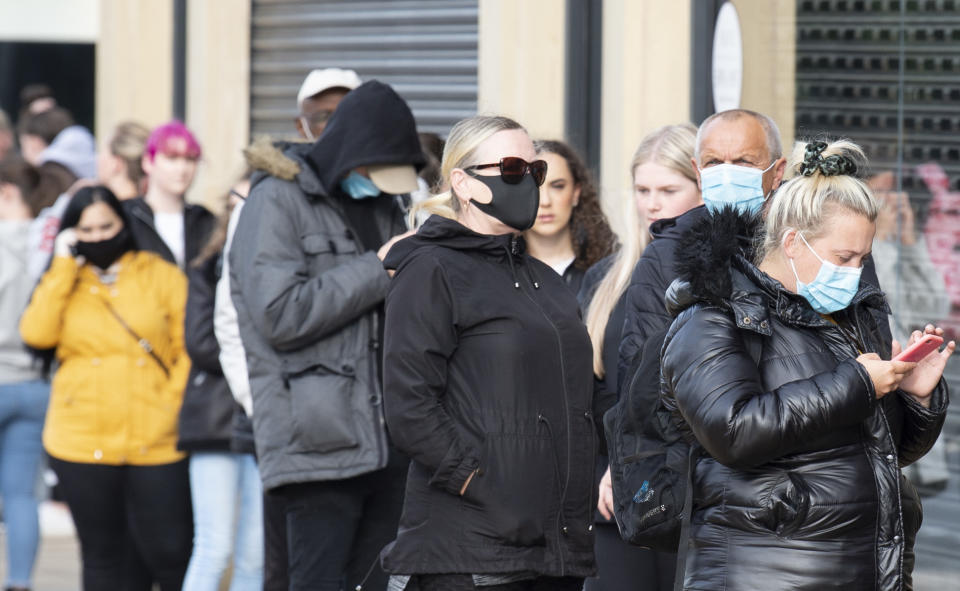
515 205
104 253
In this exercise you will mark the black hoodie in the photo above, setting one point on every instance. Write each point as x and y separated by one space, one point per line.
487 367
372 125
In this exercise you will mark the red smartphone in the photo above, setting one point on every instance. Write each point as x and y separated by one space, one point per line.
923 347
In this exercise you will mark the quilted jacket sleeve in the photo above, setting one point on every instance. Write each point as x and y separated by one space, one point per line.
718 392
644 309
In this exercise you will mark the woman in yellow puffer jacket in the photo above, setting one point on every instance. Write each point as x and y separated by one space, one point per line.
115 317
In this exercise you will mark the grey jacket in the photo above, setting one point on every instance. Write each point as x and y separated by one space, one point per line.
306 296
16 364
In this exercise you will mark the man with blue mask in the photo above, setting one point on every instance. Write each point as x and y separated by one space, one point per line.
739 160
308 284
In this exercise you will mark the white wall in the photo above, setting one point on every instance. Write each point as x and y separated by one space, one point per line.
64 21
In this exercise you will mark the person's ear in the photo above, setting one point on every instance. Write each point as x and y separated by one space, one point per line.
298 123
460 186
576 195
778 171
791 243
696 170
146 163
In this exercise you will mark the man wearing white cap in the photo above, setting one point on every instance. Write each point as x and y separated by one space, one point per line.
308 285
321 92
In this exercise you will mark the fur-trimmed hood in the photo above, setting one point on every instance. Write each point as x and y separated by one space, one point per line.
705 253
285 160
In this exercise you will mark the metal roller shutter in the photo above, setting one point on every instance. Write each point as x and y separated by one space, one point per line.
425 49
848 84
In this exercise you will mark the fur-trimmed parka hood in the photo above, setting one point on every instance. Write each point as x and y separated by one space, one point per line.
284 160
715 267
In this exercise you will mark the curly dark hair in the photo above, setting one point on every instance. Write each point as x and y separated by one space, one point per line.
592 237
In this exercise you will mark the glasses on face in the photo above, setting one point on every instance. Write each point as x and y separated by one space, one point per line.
238 195
317 117
513 168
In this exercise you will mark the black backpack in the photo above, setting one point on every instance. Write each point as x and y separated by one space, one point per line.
650 457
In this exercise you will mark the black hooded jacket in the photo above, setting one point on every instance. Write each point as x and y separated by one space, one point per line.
307 293
800 484
487 367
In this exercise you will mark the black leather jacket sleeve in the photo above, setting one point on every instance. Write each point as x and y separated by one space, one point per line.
719 393
921 426
419 338
644 309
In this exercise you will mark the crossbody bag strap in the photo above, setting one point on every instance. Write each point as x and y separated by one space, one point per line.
144 343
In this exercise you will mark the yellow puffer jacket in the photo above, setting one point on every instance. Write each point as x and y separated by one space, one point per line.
111 402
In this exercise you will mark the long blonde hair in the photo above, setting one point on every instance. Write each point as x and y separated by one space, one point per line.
670 146
459 152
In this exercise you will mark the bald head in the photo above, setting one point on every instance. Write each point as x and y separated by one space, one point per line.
742 138
747 118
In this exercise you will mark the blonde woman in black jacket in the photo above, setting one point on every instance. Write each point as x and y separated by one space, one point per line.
799 483
487 385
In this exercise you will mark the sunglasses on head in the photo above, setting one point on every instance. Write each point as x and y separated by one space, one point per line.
513 168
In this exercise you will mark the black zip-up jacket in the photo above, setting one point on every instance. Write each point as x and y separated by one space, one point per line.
207 415
487 367
198 223
800 486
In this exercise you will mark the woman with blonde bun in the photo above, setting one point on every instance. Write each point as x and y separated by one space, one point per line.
778 369
487 384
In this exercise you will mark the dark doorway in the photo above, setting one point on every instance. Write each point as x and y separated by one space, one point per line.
67 68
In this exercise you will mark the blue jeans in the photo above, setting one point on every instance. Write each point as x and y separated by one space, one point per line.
218 481
22 409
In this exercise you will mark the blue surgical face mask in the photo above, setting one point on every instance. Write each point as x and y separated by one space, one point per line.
730 184
832 289
358 186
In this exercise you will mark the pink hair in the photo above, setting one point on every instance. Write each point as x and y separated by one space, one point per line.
161 136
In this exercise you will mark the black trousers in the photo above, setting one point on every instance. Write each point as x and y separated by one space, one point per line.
336 529
622 567
135 523
275 559
465 583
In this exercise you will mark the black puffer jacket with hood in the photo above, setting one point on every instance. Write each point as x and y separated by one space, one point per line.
307 295
800 484
487 366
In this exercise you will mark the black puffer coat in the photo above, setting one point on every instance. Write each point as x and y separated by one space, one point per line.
487 366
800 487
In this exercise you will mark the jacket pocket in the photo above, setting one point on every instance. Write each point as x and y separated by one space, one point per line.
513 493
321 408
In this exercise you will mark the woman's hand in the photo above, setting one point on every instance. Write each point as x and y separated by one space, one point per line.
605 497
885 375
63 245
921 382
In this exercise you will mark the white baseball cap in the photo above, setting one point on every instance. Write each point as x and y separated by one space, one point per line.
324 79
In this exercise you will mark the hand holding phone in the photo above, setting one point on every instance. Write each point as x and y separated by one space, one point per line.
925 345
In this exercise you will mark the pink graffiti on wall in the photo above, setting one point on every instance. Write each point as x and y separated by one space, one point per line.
942 233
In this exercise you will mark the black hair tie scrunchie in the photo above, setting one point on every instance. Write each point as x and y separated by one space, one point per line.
834 165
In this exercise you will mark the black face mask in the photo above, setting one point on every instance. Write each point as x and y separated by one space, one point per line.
514 205
104 253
